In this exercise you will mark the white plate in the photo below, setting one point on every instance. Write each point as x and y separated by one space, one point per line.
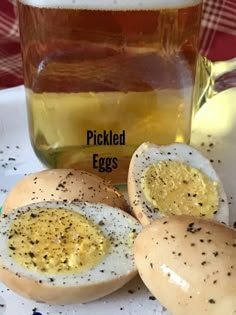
214 133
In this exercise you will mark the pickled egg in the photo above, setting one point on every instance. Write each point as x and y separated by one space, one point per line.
174 179
60 253
189 264
63 185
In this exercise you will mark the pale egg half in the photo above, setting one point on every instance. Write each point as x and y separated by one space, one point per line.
174 179
62 253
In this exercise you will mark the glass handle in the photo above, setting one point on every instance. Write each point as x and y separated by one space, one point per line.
224 73
212 78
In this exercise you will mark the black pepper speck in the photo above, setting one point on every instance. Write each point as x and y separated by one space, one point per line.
152 298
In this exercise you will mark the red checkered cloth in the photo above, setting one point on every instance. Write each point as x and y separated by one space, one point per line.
10 58
218 33
218 37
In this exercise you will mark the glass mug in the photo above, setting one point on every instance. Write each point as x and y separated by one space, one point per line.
102 77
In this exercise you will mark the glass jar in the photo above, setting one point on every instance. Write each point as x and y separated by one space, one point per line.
102 77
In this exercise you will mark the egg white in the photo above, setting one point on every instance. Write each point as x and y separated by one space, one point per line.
117 267
148 154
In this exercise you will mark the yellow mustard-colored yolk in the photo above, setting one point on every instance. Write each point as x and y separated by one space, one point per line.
173 187
55 241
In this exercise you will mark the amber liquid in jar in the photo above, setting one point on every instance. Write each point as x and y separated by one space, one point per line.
107 70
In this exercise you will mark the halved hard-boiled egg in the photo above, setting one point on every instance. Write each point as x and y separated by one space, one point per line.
59 253
174 179
63 185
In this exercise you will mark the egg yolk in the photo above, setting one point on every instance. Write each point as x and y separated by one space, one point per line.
55 241
173 187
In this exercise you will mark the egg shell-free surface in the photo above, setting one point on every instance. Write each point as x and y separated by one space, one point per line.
148 154
60 185
115 270
189 265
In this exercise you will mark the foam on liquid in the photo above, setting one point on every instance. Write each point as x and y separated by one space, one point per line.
112 4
